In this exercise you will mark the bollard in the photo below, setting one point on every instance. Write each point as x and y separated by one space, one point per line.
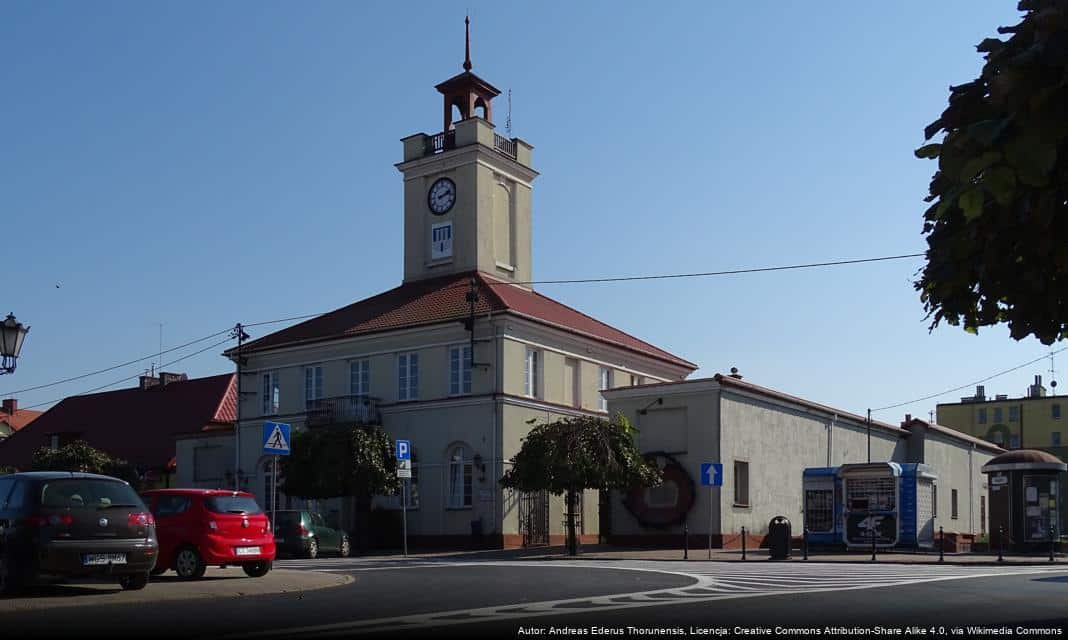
872 542
685 542
941 545
743 544
804 545
1052 542
1001 544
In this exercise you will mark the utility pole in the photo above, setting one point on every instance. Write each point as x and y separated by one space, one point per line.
239 333
869 451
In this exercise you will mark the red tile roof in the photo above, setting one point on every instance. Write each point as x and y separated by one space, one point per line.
438 300
20 418
133 424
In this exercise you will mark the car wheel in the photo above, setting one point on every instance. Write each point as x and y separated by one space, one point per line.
313 549
344 550
134 581
10 584
188 564
257 569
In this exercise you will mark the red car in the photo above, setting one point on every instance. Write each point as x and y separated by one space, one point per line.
201 527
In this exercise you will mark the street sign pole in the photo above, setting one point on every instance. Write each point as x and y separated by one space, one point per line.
404 510
274 496
711 500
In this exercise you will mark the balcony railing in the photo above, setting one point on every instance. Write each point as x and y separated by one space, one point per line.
359 410
440 142
504 145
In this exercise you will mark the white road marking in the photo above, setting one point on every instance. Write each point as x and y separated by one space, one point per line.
712 581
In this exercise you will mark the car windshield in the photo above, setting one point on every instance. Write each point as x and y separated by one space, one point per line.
87 493
232 504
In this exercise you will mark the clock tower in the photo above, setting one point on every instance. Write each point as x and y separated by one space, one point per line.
467 189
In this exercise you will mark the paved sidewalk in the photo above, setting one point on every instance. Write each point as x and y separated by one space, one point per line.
218 584
610 553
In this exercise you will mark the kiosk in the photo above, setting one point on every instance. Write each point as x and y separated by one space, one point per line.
888 504
1024 502
822 505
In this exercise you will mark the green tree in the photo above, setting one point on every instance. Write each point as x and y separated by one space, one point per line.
79 456
997 228
340 461
573 454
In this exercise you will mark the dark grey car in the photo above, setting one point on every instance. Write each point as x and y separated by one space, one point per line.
73 524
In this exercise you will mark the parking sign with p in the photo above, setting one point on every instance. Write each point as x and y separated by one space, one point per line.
404 450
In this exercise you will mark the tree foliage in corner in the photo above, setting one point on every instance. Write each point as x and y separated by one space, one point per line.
573 454
339 461
79 456
997 228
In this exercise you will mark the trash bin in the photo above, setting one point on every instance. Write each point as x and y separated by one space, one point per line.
779 538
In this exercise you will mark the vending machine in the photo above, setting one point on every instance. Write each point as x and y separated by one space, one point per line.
822 505
887 504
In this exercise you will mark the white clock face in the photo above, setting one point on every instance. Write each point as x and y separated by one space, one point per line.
442 196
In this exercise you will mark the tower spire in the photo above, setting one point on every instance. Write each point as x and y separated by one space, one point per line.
467 43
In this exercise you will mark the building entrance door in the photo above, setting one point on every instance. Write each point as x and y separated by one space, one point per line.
534 518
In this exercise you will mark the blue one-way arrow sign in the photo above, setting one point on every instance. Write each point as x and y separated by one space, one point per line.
712 474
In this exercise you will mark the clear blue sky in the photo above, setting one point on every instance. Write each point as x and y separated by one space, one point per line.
200 164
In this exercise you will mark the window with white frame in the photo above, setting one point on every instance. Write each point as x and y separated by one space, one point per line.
441 241
407 376
271 394
360 377
459 370
530 373
635 380
606 383
313 385
460 468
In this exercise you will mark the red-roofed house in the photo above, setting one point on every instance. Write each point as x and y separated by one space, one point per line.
12 418
138 425
458 358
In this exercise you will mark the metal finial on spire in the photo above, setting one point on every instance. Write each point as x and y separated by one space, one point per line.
467 43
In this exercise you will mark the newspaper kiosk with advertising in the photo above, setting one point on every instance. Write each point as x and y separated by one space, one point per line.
823 505
888 501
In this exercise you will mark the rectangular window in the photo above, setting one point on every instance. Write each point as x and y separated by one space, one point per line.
271 395
1014 414
606 383
313 385
1014 441
408 376
530 373
1055 411
441 241
360 377
999 415
635 380
1055 438
459 370
460 468
982 416
741 483
953 504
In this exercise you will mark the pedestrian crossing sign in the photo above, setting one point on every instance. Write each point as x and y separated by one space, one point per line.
276 438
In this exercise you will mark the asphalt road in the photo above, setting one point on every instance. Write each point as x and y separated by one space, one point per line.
525 599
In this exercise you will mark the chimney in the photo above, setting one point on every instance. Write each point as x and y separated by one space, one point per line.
1036 390
980 393
908 418
167 378
735 374
11 405
147 382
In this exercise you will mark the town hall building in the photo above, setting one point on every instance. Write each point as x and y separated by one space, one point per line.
459 359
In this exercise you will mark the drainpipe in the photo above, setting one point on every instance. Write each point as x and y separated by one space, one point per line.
830 440
971 491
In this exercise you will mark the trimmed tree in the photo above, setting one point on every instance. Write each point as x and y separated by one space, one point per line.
571 455
339 462
997 228
79 456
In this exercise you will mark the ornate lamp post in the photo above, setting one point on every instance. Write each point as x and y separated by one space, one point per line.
12 334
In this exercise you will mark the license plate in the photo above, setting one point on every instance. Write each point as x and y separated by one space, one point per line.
103 558
247 551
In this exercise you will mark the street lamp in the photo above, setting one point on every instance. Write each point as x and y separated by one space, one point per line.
12 334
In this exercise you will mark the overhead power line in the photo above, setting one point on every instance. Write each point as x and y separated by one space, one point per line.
118 366
972 384
111 384
609 279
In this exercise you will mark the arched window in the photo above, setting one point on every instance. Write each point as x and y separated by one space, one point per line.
459 466
481 109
